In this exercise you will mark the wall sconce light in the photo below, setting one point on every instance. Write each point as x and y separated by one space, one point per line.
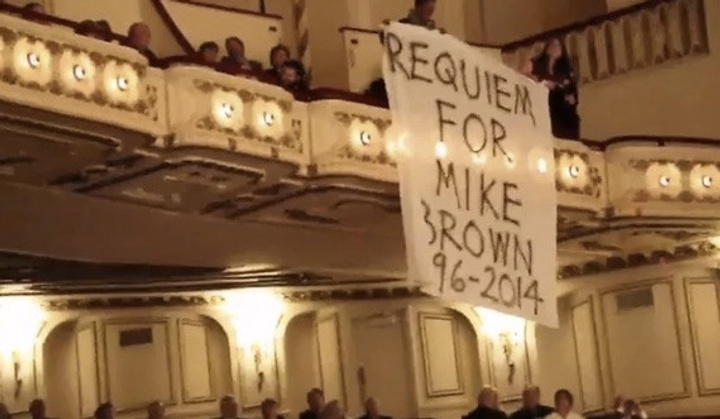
664 181
507 331
255 315
365 137
20 321
267 118
574 171
33 60
707 181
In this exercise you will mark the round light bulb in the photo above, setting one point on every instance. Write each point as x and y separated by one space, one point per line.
574 171
122 83
227 110
707 181
664 181
479 159
268 118
365 138
79 72
33 60
542 165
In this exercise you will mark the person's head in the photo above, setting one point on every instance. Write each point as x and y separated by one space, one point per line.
618 402
332 410
425 9
371 407
209 52
315 400
105 411
4 412
156 410
269 409
235 47
103 25
291 73
139 36
554 49
279 54
488 397
34 7
531 396
563 401
228 407
630 407
37 409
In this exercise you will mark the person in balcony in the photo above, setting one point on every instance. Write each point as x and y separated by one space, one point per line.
531 408
564 406
138 38
292 76
627 409
279 55
37 409
209 53
4 412
422 14
90 29
553 68
332 410
105 29
236 58
31 10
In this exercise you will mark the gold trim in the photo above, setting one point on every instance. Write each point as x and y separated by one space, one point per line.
430 391
165 323
91 325
598 367
181 342
527 374
668 281
697 359
336 318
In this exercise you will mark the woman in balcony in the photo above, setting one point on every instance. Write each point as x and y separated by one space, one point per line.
279 55
554 69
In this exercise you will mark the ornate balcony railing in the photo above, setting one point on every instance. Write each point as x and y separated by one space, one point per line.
648 34
324 134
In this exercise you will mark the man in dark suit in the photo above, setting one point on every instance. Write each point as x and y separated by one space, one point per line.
487 406
316 402
372 410
531 409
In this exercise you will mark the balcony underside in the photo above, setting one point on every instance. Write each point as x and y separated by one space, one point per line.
97 194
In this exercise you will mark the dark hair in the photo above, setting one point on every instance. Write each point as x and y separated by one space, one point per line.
209 45
564 393
104 25
314 391
420 3
277 48
30 6
267 403
300 70
233 38
102 409
563 65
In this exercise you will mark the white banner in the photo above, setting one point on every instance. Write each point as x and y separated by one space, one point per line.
477 174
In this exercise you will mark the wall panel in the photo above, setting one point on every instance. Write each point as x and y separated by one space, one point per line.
643 344
137 374
329 351
587 356
87 361
704 317
440 355
194 362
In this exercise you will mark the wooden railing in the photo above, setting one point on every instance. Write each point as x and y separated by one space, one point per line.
638 37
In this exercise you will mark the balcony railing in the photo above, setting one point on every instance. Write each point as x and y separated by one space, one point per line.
638 37
324 133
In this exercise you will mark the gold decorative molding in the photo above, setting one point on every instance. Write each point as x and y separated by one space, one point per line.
697 358
382 124
664 281
349 152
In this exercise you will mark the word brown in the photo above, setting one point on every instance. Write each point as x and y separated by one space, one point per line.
417 63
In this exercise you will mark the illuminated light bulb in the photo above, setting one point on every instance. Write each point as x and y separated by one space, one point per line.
365 138
574 171
122 83
79 72
441 150
227 110
542 165
707 181
33 60
268 118
664 181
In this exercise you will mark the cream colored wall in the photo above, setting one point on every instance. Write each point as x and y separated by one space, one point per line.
660 354
677 99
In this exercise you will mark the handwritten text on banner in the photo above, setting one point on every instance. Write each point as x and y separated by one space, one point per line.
477 178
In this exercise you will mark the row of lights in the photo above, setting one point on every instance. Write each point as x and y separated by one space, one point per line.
266 118
665 181
78 71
